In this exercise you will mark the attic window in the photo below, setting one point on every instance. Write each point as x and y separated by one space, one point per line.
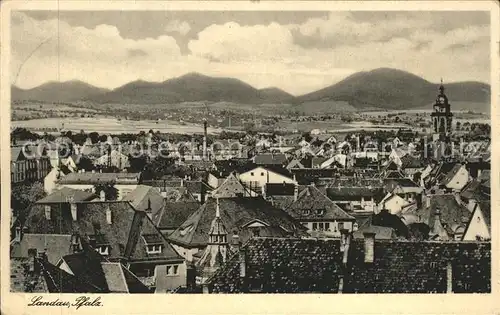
186 230
103 250
154 249
320 211
306 212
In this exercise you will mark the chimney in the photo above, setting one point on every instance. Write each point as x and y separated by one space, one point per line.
241 254
47 212
449 278
102 195
479 171
75 243
369 240
17 237
427 201
344 244
204 140
182 182
108 215
32 254
264 191
296 192
74 212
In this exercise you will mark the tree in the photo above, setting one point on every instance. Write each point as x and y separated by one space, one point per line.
418 231
94 137
23 197
84 163
137 164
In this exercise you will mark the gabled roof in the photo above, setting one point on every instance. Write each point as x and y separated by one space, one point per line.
231 187
409 161
234 213
121 280
485 207
312 204
448 176
280 189
144 197
65 194
86 265
173 214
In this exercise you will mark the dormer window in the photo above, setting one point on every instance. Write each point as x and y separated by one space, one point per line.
186 230
320 211
306 212
154 249
103 250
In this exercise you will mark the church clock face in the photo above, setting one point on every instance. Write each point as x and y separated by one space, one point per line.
441 100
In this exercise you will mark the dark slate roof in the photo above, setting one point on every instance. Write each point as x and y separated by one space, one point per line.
86 265
305 176
151 234
451 212
226 167
91 224
65 193
312 204
281 189
409 161
277 265
473 190
270 159
121 280
448 176
100 178
354 193
173 214
54 246
91 221
235 213
45 277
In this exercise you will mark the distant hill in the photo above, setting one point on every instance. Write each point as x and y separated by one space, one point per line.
189 88
395 89
55 92
276 95
382 88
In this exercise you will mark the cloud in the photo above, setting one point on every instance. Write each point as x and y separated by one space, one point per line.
176 26
99 56
298 58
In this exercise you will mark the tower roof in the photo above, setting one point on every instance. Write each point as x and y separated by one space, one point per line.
217 227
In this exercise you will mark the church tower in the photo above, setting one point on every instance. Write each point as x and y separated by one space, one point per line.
217 250
441 117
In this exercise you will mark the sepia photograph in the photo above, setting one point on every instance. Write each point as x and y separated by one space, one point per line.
248 151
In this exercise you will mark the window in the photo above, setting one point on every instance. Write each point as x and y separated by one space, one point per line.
306 212
320 226
168 270
327 226
251 173
176 270
262 174
341 225
433 264
103 250
320 211
154 249
315 226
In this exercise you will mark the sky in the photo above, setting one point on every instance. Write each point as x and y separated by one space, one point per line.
298 52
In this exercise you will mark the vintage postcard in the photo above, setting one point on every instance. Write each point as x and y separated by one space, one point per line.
295 157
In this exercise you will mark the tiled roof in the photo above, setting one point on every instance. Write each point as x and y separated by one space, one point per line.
312 204
226 167
485 206
235 213
65 193
274 265
173 214
99 178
